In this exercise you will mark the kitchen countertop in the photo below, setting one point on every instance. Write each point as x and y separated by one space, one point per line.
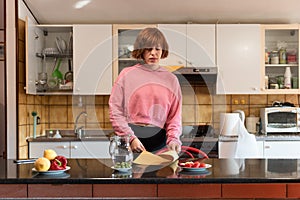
98 171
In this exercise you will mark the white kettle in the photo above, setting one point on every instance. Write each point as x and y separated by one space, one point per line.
241 114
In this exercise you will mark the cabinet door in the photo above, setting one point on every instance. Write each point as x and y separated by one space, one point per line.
176 37
36 149
238 58
281 149
227 149
34 38
200 45
90 149
92 59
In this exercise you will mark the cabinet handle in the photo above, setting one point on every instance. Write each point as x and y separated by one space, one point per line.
267 147
64 146
75 147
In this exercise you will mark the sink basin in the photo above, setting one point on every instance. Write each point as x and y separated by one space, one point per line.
88 134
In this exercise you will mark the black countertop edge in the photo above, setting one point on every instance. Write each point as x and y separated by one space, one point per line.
147 181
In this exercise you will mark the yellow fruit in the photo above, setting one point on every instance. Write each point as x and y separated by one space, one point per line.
42 164
50 154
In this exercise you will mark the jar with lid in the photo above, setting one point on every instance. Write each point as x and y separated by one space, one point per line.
274 57
282 56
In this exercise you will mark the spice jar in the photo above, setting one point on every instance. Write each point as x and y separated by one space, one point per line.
282 56
274 57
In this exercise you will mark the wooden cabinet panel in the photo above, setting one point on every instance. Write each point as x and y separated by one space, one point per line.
293 190
253 190
124 190
13 190
2 15
59 190
189 190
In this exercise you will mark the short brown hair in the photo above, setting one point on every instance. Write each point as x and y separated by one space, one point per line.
149 38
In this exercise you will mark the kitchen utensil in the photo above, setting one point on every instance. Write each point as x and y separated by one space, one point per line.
63 45
56 73
69 74
57 41
70 44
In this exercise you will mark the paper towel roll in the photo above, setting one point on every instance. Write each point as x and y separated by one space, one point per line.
229 125
251 124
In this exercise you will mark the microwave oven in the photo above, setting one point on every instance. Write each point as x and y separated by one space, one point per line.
280 120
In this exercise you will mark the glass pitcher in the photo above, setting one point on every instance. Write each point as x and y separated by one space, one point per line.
120 151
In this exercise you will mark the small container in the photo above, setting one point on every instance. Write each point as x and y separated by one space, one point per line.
274 57
287 78
295 83
282 56
266 82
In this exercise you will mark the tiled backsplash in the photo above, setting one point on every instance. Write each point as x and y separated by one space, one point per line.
60 111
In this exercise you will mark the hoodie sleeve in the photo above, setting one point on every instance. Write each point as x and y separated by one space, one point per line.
173 123
117 113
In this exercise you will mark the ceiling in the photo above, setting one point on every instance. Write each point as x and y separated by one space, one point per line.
165 11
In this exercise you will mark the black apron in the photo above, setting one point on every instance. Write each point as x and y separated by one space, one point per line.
153 138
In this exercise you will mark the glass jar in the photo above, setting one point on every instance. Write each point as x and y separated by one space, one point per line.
120 151
274 57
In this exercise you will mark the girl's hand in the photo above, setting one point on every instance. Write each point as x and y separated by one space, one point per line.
137 146
174 146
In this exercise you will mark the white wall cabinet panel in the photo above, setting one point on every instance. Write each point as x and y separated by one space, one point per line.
282 149
92 59
176 37
200 45
227 149
238 58
90 149
33 36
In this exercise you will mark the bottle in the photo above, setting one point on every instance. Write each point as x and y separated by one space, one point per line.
287 78
282 56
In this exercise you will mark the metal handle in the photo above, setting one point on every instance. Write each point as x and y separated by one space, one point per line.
268 147
75 147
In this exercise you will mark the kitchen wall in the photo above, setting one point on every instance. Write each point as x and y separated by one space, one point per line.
200 105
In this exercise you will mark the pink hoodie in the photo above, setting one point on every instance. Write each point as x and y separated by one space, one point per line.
144 96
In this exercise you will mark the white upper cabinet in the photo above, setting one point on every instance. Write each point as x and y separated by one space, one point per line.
176 37
190 45
92 59
200 45
81 53
239 58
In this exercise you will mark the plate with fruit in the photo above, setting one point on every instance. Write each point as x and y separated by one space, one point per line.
195 166
51 163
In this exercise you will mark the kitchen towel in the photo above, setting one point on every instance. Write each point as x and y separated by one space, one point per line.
246 146
229 124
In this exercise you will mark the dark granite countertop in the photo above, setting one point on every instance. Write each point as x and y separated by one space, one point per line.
98 171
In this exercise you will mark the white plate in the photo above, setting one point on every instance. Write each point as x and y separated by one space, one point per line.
51 172
200 169
121 169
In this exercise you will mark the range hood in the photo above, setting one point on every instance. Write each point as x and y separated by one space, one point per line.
197 75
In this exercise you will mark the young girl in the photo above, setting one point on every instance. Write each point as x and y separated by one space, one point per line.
146 99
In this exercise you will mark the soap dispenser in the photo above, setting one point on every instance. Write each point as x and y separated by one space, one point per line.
57 135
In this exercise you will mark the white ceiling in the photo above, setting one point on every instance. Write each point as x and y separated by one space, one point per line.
166 11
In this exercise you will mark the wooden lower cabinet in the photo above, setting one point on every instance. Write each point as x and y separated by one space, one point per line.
293 190
124 190
60 190
254 190
189 190
13 190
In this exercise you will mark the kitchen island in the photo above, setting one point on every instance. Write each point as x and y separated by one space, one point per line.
94 178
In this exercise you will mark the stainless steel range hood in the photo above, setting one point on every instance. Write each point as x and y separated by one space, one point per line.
197 75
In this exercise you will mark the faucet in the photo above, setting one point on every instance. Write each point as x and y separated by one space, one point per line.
78 130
